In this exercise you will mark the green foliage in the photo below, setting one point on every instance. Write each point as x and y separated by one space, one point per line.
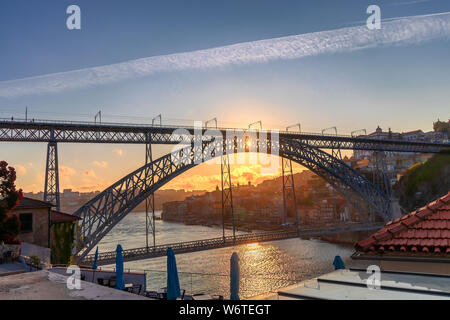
9 198
425 172
64 236
35 260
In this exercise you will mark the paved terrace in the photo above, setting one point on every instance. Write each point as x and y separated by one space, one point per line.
46 285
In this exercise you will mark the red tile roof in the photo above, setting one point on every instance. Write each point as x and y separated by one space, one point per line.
425 231
57 217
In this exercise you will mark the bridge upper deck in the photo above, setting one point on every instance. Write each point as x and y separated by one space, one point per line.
89 132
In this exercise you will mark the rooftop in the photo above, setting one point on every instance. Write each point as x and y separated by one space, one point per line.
424 232
47 285
27 203
352 284
57 217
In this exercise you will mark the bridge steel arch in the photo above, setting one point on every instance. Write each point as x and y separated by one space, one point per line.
103 212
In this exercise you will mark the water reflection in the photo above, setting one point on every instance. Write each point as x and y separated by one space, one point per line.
264 266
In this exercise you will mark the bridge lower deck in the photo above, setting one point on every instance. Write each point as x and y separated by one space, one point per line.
215 243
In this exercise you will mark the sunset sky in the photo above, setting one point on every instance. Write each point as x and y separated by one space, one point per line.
399 85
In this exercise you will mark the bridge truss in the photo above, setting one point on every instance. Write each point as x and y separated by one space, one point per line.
104 211
73 132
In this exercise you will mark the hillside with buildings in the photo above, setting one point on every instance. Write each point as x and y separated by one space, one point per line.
72 200
260 207
424 182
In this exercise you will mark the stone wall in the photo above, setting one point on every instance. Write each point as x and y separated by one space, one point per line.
13 248
39 236
29 250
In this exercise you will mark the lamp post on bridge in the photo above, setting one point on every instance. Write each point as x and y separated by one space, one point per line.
256 122
334 153
99 116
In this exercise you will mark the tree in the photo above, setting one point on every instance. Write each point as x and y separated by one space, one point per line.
9 198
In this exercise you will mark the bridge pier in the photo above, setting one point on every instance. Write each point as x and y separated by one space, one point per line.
150 200
288 189
227 194
51 188
381 177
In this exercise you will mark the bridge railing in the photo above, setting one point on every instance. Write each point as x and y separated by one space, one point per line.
169 126
213 242
147 125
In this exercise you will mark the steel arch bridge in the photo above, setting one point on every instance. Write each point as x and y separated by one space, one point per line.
102 213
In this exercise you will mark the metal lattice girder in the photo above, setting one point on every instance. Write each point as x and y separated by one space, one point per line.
380 172
51 188
103 212
288 189
150 200
227 193
79 132
342 177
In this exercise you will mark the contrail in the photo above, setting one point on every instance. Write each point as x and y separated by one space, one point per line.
400 31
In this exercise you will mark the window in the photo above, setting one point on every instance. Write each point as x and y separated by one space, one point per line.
26 220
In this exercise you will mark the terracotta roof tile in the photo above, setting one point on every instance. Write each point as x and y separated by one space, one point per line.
446 198
410 220
435 204
424 231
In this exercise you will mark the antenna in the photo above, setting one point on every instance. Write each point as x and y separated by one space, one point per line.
260 124
209 121
155 118
295 125
331 128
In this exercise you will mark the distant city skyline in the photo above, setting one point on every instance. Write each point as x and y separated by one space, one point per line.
400 84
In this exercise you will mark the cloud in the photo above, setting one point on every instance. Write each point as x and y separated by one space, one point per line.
100 164
20 170
67 171
407 3
118 152
90 173
399 31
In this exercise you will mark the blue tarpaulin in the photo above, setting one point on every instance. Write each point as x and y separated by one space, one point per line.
234 277
173 284
120 283
338 263
94 265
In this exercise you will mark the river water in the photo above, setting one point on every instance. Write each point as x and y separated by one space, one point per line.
264 266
